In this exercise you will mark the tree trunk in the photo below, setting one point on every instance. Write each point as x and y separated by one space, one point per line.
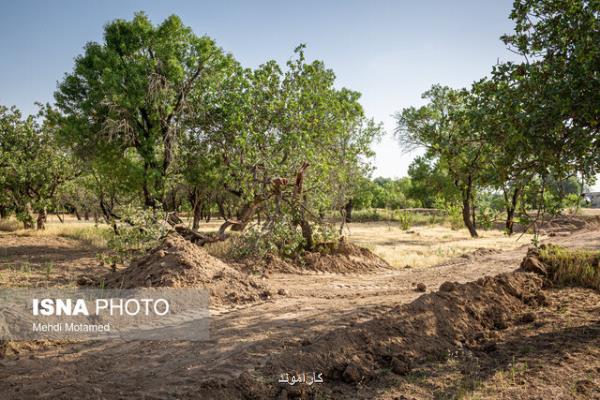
3 212
207 216
307 235
473 213
28 217
41 218
510 212
349 207
86 215
467 211
221 209
197 216
76 211
194 200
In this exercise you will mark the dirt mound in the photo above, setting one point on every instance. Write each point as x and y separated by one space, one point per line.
563 225
343 257
267 264
480 252
177 262
459 316
339 257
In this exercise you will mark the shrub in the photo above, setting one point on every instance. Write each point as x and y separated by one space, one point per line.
455 217
282 238
141 231
486 218
406 220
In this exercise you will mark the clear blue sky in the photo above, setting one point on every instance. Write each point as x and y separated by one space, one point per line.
390 51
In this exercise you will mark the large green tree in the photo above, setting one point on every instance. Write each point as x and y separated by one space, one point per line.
284 142
128 98
560 41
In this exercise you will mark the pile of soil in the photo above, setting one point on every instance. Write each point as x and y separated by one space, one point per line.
458 316
176 262
343 257
564 267
479 252
267 264
563 225
335 257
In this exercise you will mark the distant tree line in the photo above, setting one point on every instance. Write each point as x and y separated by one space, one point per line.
427 188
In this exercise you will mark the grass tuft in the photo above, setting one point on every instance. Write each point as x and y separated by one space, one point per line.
572 267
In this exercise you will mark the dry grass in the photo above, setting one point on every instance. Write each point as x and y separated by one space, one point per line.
589 212
83 231
424 246
420 246
9 225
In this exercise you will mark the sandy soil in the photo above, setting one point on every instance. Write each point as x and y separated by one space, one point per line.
243 338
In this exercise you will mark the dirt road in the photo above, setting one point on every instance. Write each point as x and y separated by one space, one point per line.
242 338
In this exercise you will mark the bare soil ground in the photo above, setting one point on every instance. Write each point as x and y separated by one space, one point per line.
555 353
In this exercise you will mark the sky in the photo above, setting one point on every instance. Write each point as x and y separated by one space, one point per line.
390 51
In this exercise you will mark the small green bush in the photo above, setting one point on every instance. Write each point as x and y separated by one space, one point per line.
282 238
455 217
406 220
141 232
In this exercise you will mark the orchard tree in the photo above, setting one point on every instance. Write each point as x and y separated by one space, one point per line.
279 136
443 127
430 183
500 111
127 99
32 166
559 40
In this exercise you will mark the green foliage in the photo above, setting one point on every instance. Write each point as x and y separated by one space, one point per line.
414 217
141 231
430 183
279 239
283 238
443 127
127 98
159 113
529 131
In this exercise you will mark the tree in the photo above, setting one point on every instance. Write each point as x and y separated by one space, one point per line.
559 41
444 129
32 165
287 144
127 99
430 183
